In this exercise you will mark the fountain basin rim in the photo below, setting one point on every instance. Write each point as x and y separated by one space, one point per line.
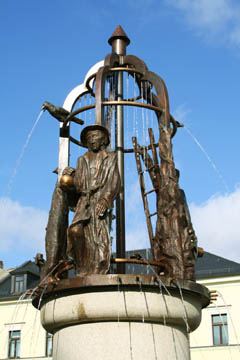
124 282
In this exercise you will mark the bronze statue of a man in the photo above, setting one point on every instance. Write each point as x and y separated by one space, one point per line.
96 182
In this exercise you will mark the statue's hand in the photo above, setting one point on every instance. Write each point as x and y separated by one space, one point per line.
66 181
101 207
68 171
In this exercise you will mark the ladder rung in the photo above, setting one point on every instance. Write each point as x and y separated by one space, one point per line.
146 170
150 215
149 192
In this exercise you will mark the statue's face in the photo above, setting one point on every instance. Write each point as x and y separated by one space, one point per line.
95 140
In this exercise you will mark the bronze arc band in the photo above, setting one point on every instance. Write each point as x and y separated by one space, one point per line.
114 69
106 103
136 261
111 103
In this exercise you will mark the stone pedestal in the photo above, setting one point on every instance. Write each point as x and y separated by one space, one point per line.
122 317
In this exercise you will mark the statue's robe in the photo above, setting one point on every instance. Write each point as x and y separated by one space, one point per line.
93 181
56 232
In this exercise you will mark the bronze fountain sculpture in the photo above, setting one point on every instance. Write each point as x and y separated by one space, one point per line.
91 189
174 242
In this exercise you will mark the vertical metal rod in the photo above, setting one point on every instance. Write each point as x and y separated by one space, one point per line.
120 202
63 157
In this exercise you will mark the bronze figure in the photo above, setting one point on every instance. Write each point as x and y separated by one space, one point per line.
56 233
96 182
59 113
90 189
174 242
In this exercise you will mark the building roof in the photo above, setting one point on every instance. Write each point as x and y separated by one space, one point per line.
211 265
29 268
208 266
26 267
4 274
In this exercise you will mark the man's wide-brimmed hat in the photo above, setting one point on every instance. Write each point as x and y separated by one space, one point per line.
91 128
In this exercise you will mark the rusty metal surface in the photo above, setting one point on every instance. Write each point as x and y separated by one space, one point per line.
120 201
137 261
56 231
123 282
174 241
96 180
119 33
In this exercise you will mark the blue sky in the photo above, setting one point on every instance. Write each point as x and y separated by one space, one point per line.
47 49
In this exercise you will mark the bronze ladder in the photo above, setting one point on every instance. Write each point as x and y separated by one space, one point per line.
142 182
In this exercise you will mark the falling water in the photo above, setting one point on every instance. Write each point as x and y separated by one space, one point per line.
29 300
15 313
151 102
208 157
119 303
135 108
10 184
127 110
44 290
146 111
143 118
153 336
164 300
184 308
17 306
47 276
141 292
33 333
129 325
224 330
231 319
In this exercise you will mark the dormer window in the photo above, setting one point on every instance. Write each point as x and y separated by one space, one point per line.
18 283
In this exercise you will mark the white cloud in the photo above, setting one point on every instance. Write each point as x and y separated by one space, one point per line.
211 19
216 223
235 36
22 227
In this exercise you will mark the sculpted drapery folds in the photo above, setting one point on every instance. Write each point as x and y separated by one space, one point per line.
96 182
89 190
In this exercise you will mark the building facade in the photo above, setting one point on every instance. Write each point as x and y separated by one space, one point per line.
22 336
21 333
218 336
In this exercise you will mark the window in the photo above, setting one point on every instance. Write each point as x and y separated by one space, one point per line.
18 283
220 329
14 344
49 338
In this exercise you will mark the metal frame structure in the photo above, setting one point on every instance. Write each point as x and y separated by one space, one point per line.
155 97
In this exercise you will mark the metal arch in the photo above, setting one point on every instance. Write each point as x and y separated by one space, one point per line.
111 60
64 141
100 94
154 79
78 90
135 61
162 94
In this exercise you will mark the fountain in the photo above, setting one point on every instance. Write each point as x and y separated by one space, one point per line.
96 314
